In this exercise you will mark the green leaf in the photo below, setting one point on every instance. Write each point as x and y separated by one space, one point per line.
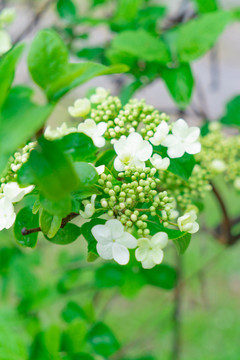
26 219
182 243
127 10
66 235
50 69
46 344
72 311
7 70
232 114
162 276
141 44
154 225
66 9
86 232
179 82
206 6
128 91
61 207
103 340
52 170
74 337
109 275
87 174
79 146
15 131
181 167
49 223
194 38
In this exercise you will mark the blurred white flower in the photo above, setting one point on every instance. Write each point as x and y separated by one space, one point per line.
94 131
100 95
132 151
100 169
7 16
237 183
89 207
80 108
218 165
59 132
7 214
188 223
183 139
160 163
14 193
149 251
160 134
113 242
5 42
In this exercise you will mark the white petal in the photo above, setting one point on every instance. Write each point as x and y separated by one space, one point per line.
14 193
141 253
160 239
144 151
98 141
157 256
118 165
100 169
127 240
102 234
137 163
120 254
156 139
120 146
163 128
105 251
148 263
116 228
134 140
193 134
176 151
193 148
10 220
195 228
180 129
101 128
170 140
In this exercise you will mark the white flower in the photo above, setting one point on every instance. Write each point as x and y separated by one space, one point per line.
81 108
149 251
89 207
94 131
7 214
58 132
132 151
14 193
237 183
100 169
7 16
160 163
113 242
218 165
100 95
160 134
183 139
187 222
5 42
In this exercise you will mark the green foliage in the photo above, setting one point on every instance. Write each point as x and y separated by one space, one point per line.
162 276
49 223
72 311
66 9
179 82
103 340
232 114
141 44
182 243
26 219
194 38
50 69
206 6
66 235
87 233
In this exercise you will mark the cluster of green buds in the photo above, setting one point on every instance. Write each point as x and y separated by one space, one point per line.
134 196
221 154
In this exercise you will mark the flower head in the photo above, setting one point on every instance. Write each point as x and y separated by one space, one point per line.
14 193
100 95
188 223
58 132
7 214
160 163
94 131
89 207
160 134
183 139
149 251
113 242
80 108
132 151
